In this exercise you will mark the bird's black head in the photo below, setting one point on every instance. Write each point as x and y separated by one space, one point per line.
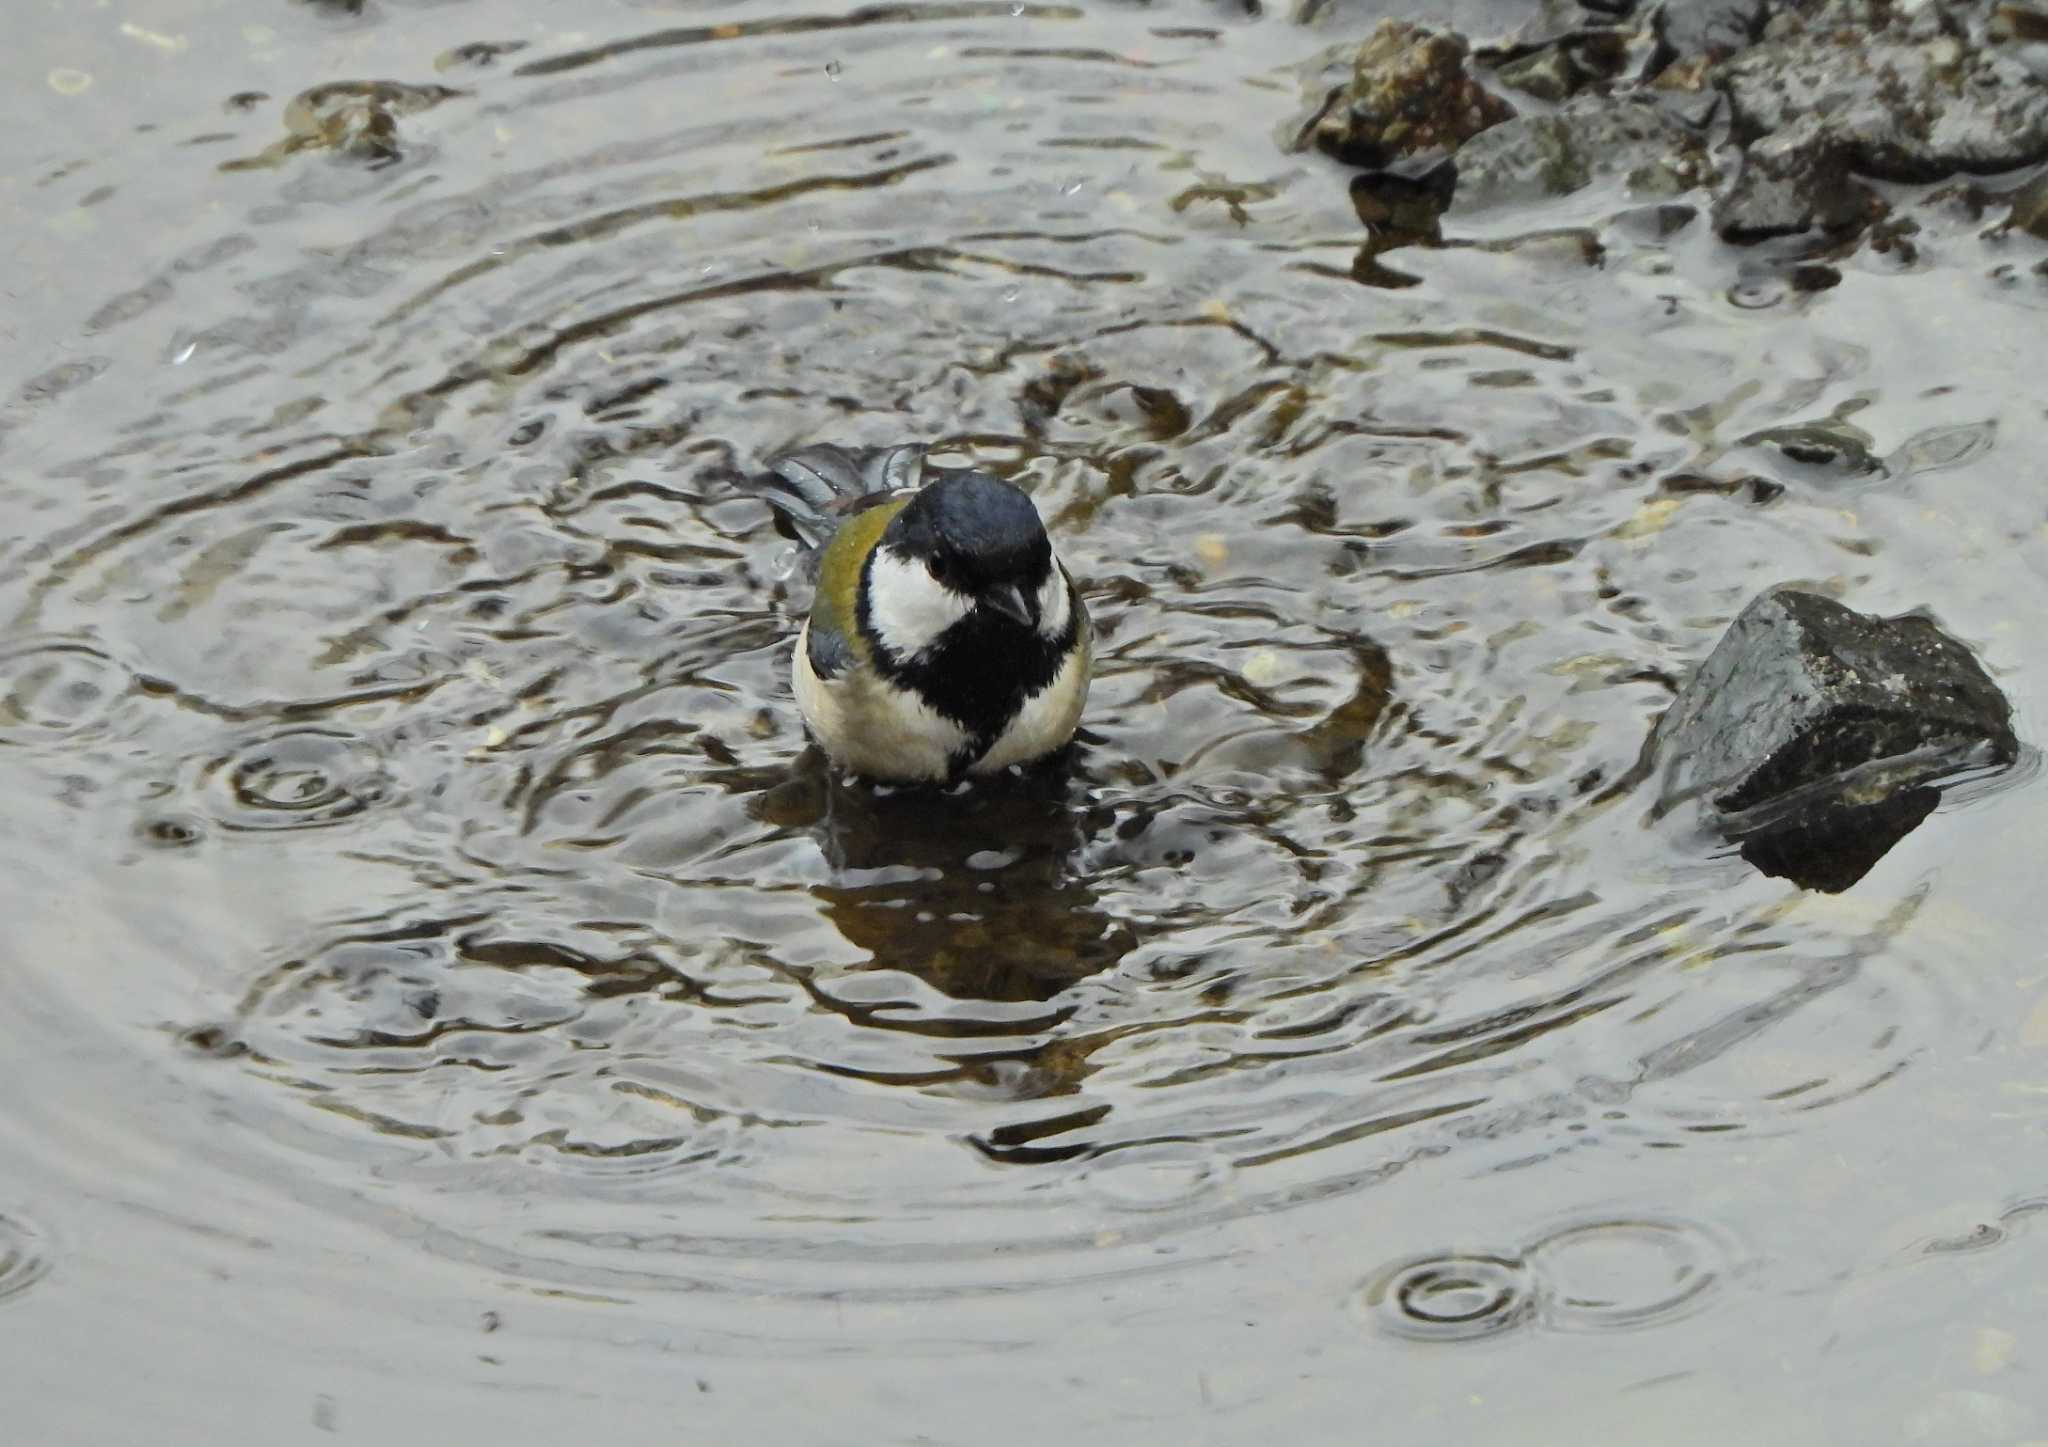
976 535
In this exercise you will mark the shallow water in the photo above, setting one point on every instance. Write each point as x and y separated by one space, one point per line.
442 996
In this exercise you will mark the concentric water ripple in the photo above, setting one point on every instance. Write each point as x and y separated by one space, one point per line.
24 1256
1599 1275
57 689
298 778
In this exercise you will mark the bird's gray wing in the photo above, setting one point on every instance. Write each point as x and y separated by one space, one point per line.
829 650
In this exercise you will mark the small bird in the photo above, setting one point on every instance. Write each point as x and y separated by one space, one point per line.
945 638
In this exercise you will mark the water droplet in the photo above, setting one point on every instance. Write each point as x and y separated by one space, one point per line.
1011 293
183 353
1452 1298
299 779
1073 187
1756 294
833 69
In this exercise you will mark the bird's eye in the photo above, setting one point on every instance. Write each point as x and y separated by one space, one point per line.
942 568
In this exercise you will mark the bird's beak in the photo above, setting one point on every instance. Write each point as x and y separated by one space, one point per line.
1008 600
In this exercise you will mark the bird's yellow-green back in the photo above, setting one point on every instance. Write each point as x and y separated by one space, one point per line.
837 603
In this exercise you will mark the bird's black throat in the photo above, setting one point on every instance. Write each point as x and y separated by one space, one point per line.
980 671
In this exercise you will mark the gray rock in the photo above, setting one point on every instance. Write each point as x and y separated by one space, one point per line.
1592 138
1713 28
1895 102
2030 208
1791 183
1814 734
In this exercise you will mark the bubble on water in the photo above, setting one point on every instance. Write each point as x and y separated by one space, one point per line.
833 69
170 831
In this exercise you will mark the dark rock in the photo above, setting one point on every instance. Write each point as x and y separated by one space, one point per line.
1408 93
1812 730
1840 848
2019 22
1901 101
1794 183
1592 138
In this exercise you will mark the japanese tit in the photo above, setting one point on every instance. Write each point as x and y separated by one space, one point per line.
945 638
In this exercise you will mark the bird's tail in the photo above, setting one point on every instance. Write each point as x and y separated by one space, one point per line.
816 487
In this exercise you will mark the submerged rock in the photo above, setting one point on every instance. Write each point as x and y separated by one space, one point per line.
1813 735
1408 93
355 119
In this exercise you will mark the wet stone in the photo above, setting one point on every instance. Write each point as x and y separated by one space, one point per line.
1592 138
2030 208
1792 184
2023 23
1716 29
1561 70
1907 103
1812 726
1409 92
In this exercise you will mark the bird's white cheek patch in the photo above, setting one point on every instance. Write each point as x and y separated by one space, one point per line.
907 606
1052 603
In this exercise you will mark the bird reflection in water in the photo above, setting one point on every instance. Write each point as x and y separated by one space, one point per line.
974 890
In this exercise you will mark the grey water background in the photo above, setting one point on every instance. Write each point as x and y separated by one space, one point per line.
441 1003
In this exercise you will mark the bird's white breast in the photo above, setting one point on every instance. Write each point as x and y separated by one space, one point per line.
872 727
